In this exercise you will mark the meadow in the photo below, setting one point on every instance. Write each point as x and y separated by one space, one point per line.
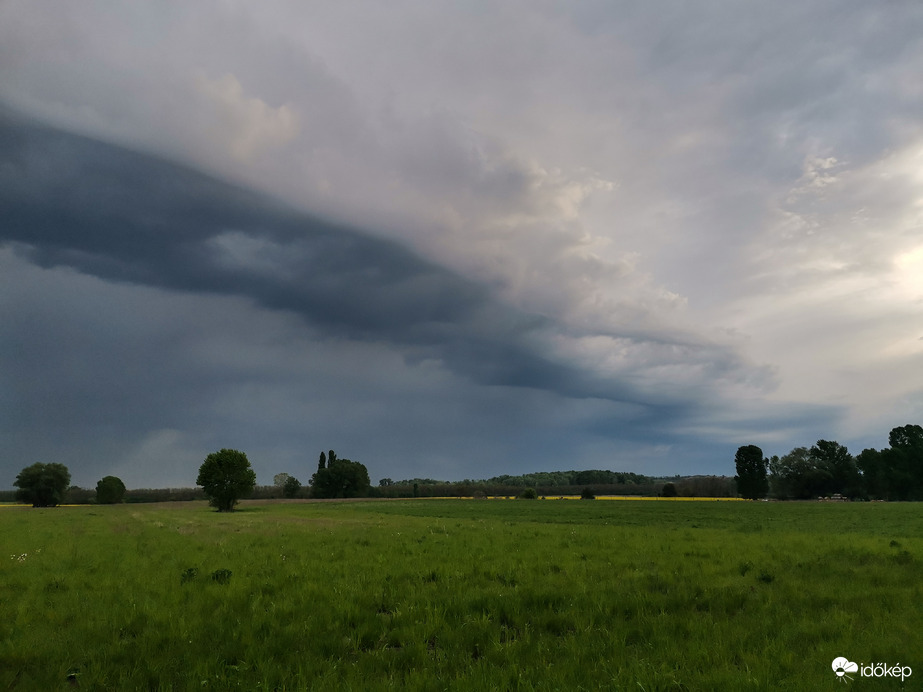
459 595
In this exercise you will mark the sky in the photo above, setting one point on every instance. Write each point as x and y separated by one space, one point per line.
458 239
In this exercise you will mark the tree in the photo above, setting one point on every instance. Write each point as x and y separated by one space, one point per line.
291 487
903 463
279 479
833 461
110 490
341 478
669 490
906 436
870 463
43 485
752 482
322 462
798 476
226 477
827 468
777 477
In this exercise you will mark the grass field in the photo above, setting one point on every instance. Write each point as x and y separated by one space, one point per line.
459 595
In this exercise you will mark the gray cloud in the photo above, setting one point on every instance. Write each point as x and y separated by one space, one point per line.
122 216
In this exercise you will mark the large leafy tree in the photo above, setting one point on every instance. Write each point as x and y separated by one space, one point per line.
43 485
826 468
752 481
835 462
903 463
226 476
801 474
793 475
895 473
340 478
110 490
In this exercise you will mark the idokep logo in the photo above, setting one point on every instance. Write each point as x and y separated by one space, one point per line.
842 666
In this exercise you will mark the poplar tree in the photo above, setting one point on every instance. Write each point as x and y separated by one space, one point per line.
752 481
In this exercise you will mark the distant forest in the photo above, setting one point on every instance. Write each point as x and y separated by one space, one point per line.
544 483
558 483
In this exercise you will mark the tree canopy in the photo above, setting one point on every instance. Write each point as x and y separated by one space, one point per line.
43 485
340 478
906 437
226 476
110 490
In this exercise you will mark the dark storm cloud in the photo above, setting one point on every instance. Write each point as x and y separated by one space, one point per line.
122 216
128 217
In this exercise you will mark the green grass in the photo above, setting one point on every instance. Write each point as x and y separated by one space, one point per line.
459 595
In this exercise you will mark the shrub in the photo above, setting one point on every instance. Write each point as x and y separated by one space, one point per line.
669 490
587 494
222 576
528 494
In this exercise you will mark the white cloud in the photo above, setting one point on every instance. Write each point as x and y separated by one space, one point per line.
818 174
246 125
835 290
909 270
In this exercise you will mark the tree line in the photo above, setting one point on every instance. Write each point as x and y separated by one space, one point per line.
543 482
225 477
828 469
559 478
824 470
